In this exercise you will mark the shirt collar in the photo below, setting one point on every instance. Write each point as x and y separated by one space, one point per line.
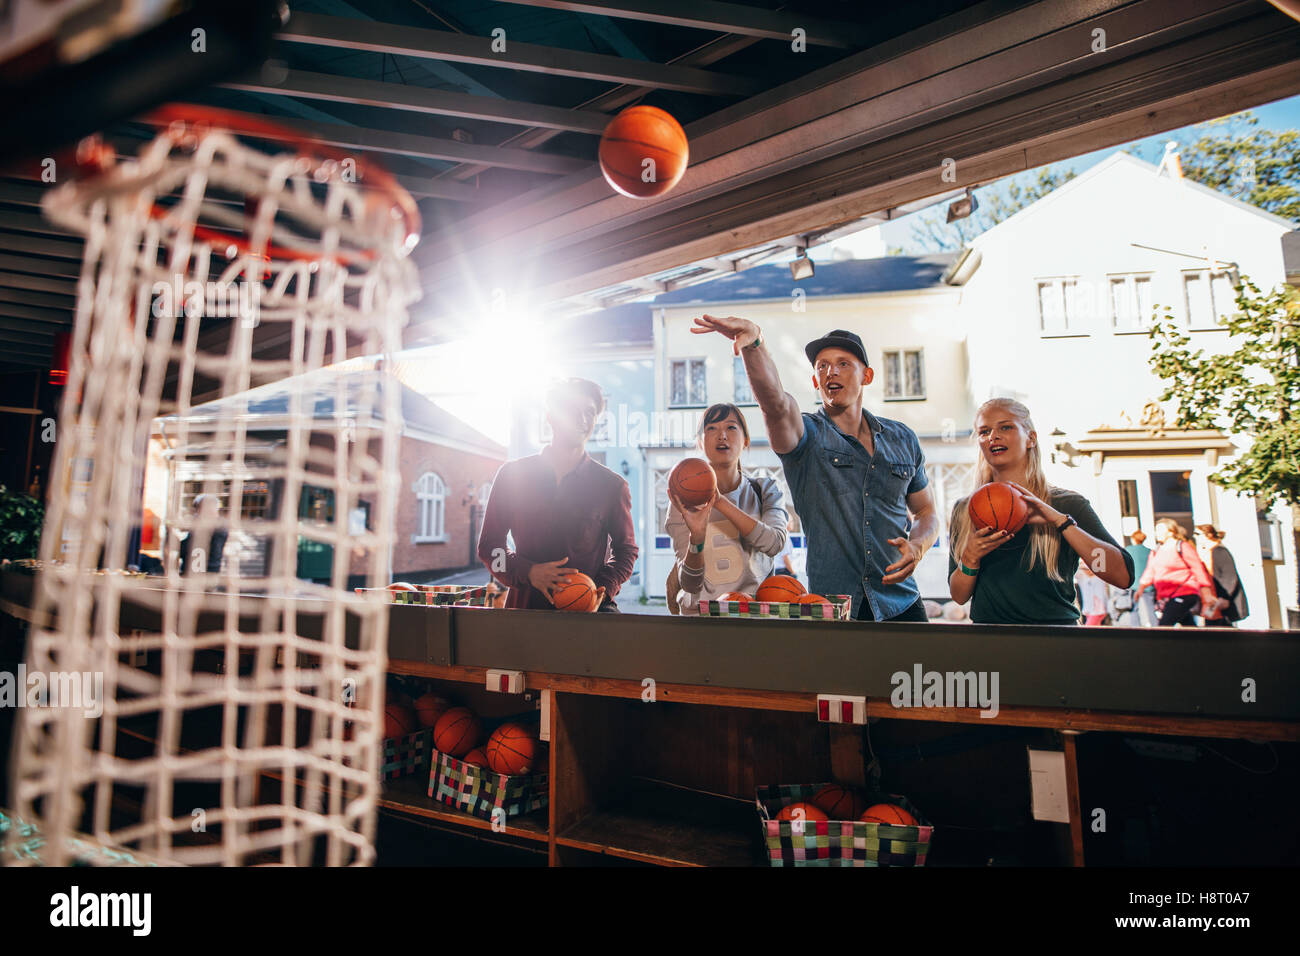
872 422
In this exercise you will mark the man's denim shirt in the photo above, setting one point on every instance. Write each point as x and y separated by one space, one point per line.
851 503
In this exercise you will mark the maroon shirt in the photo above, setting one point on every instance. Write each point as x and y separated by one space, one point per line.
586 517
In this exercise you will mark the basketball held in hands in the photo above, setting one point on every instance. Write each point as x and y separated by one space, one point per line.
999 506
693 482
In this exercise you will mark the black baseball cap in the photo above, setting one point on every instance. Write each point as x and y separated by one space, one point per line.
837 339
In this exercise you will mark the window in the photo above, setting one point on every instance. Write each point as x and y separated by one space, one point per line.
359 519
431 494
1058 306
904 374
316 504
1209 296
1130 302
744 394
687 385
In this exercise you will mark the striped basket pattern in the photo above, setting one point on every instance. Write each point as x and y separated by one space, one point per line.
482 792
438 595
838 842
405 755
838 609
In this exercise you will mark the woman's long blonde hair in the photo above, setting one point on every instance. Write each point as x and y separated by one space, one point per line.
1044 543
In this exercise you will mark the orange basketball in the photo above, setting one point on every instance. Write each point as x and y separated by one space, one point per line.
736 596
399 720
511 749
809 812
813 599
457 732
781 587
998 506
477 757
402 586
578 594
890 813
643 152
840 803
693 481
428 708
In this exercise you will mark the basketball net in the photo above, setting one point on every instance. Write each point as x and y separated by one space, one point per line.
226 734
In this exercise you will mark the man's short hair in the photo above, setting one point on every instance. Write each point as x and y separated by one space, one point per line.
574 387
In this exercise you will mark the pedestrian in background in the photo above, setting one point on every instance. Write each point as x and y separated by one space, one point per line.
1227 585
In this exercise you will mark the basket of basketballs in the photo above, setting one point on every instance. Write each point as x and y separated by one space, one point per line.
780 596
493 775
833 825
408 732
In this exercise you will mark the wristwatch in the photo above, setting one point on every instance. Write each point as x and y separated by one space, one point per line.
758 341
1069 522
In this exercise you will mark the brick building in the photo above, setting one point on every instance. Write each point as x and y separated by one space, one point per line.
446 468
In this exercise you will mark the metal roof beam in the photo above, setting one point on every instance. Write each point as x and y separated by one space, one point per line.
722 18
443 45
408 144
420 99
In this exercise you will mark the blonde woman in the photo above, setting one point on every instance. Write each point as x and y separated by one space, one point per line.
728 543
1028 577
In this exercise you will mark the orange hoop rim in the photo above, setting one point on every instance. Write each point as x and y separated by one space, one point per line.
180 119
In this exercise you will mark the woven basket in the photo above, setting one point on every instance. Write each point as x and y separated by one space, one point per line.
839 842
481 791
405 755
836 608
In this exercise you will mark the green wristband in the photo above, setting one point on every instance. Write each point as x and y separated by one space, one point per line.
698 548
970 572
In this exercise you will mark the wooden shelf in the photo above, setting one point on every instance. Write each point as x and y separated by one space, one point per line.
671 827
410 795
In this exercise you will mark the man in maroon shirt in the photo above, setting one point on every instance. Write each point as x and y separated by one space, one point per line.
564 511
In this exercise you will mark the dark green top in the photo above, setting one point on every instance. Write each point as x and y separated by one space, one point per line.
1006 592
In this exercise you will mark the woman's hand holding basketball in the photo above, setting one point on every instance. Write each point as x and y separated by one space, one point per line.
697 518
548 577
1040 512
982 541
742 332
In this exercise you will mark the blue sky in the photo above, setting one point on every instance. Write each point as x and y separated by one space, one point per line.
1277 116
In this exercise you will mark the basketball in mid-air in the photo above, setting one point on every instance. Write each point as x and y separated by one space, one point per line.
643 152
890 813
693 481
781 587
577 594
999 506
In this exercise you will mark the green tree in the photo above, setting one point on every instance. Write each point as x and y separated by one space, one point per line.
1258 166
931 232
21 517
1253 390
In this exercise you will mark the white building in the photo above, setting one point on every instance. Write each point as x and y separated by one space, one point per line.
907 317
1056 313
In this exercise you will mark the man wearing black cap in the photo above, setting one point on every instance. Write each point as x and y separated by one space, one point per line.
858 481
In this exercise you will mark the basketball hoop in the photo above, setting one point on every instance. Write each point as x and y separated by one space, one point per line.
320 242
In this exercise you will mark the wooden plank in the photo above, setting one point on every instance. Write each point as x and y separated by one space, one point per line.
589 753
1072 796
847 765
410 795
1063 718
